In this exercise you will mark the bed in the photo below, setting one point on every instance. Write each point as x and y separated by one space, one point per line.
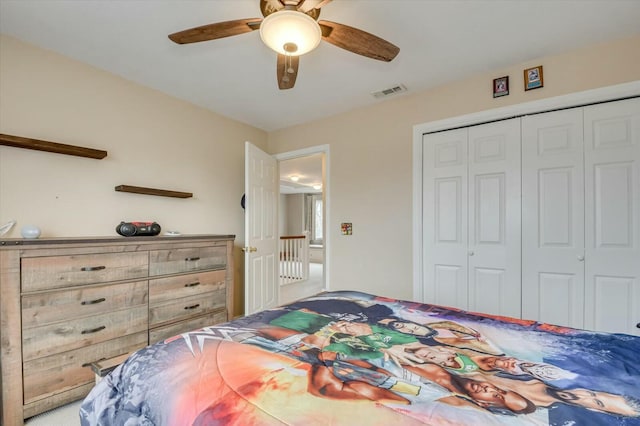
351 358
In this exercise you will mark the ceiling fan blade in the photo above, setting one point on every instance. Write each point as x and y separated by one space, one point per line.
358 41
215 31
307 5
287 71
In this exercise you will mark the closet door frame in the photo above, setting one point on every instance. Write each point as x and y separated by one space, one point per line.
610 93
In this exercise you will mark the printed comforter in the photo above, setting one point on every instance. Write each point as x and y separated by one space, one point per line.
349 358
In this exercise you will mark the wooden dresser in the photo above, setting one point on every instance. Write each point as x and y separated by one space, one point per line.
68 302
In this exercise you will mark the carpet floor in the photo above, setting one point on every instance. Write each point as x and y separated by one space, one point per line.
67 415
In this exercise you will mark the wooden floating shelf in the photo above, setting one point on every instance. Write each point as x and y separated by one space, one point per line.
153 191
58 148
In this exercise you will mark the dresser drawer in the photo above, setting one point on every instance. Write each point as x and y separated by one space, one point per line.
167 331
68 335
45 273
186 307
165 289
45 308
176 261
57 373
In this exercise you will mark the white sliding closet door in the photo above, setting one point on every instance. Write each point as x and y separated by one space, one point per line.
537 217
471 218
612 198
581 217
553 218
494 218
445 218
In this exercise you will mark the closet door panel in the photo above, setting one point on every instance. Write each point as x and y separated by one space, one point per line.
488 289
445 218
553 218
555 207
612 214
494 218
614 305
556 290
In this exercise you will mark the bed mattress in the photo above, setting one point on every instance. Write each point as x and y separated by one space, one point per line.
351 358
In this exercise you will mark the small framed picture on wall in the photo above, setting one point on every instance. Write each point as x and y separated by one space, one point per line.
533 78
500 86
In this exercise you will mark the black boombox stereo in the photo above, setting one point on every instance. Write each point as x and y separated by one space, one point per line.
130 229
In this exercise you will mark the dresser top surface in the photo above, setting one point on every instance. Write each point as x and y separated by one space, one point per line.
9 243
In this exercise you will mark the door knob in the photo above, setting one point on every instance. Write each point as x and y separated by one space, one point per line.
249 249
470 253
581 258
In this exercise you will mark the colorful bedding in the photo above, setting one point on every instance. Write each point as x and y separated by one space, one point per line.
350 358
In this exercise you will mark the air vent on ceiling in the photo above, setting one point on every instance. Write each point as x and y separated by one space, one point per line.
390 91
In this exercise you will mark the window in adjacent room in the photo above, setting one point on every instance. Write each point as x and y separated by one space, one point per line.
314 218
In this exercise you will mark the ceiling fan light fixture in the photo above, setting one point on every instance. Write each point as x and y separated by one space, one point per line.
290 32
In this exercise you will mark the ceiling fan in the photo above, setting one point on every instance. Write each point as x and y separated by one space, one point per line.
291 28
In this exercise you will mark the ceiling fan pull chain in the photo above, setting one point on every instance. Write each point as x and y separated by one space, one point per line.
285 77
290 69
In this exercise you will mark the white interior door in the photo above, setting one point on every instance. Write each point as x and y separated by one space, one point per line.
471 218
260 230
444 198
553 218
612 216
494 218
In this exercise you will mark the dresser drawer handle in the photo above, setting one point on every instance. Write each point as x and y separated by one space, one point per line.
94 330
191 259
88 364
192 306
93 268
197 283
93 302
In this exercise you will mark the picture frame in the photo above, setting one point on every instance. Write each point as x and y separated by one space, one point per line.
501 86
533 78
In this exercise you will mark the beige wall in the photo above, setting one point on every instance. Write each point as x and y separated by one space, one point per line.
152 140
371 157
295 214
156 141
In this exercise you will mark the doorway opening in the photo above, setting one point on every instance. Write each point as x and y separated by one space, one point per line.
303 223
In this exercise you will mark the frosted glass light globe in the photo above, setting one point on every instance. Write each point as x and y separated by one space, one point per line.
287 27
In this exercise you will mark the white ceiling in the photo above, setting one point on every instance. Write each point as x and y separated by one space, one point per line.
440 41
307 170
